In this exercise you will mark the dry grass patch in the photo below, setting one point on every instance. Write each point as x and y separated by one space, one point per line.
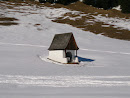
97 28
8 21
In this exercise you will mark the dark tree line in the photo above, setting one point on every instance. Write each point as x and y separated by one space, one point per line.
105 4
125 5
65 2
108 4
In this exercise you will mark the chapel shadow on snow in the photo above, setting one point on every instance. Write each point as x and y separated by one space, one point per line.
81 59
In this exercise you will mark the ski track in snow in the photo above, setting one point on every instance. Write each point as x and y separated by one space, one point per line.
65 81
105 51
28 45
40 46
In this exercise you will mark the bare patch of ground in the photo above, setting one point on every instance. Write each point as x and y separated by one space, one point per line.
8 21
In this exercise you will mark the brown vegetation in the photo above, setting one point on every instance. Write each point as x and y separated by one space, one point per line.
8 21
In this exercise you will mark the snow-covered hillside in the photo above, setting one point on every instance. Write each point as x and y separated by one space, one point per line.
25 71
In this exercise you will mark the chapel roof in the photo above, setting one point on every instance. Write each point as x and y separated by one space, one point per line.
63 41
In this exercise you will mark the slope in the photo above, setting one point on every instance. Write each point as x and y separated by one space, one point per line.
103 73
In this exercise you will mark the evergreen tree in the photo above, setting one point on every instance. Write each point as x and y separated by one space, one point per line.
114 3
105 4
65 2
50 1
125 5
89 2
99 3
42 1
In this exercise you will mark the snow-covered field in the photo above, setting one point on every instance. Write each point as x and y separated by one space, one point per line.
104 71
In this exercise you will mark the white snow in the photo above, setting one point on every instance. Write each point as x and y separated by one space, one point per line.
117 22
117 8
65 81
104 71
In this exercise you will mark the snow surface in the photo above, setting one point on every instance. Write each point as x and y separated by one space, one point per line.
117 8
117 22
25 71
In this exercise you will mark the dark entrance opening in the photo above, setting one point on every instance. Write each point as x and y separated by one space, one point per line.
69 56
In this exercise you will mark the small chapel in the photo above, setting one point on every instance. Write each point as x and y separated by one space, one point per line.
63 49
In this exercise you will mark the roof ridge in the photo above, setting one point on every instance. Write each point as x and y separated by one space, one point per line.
61 41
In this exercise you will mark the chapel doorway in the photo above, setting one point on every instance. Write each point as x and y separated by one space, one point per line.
69 57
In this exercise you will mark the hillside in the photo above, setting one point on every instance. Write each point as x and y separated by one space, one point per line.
111 23
26 31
